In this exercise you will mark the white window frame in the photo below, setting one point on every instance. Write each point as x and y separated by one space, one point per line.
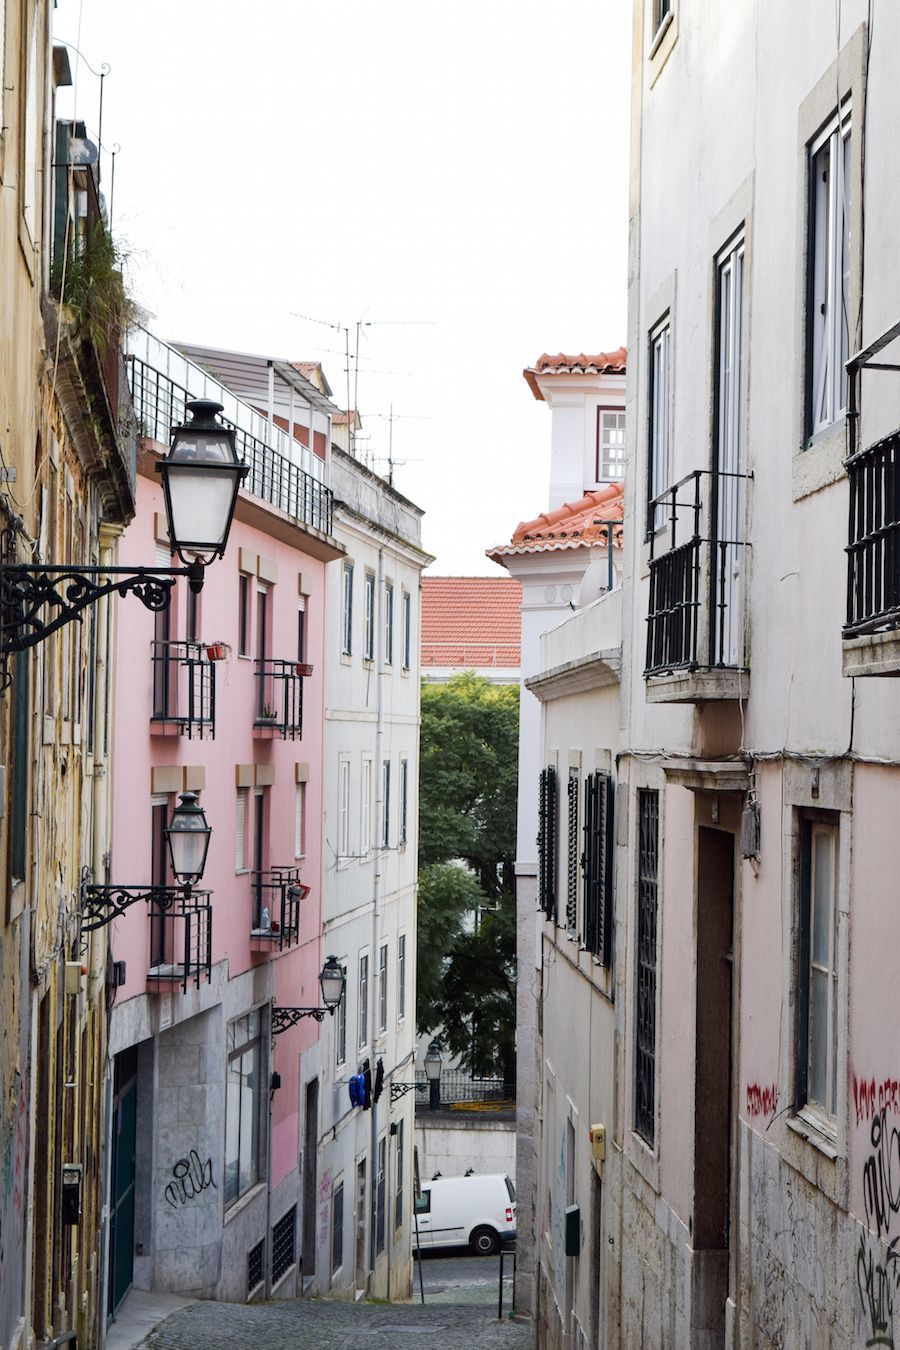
404 800
828 283
347 609
659 447
362 995
383 987
365 809
242 797
385 823
343 831
822 964
300 820
388 623
406 615
611 445
369 636
401 977
252 1045
340 1025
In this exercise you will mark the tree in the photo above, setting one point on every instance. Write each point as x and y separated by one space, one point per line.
467 919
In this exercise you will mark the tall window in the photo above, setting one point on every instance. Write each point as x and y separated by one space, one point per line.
389 623
347 611
407 630
340 1031
265 693
344 809
404 799
401 977
400 1163
659 465
818 1013
386 804
159 876
299 820
548 814
369 651
243 615
379 1195
192 617
363 1001
301 629
597 865
240 830
382 987
572 852
260 855
243 1099
365 809
645 1020
728 485
829 272
337 1227
610 444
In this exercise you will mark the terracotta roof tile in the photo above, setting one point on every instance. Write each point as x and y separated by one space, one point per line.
471 622
600 363
574 525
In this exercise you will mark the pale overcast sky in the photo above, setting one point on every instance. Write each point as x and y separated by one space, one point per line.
454 174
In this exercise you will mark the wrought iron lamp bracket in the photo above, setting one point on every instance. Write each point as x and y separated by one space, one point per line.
101 904
399 1090
284 1018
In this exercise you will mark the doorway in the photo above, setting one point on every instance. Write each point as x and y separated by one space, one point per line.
310 1178
713 1091
121 1220
360 1220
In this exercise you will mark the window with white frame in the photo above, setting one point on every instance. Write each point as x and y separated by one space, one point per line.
240 829
362 995
347 610
404 799
386 804
817 1067
389 623
340 1029
661 11
382 987
828 291
299 820
728 461
243 1103
401 977
407 630
659 459
365 809
369 643
344 808
610 444
400 1164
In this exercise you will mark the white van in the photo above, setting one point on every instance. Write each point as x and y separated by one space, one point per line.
473 1211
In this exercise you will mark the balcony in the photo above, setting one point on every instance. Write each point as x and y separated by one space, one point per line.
695 632
279 699
184 690
180 941
276 906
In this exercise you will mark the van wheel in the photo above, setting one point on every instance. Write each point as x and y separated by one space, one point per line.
485 1242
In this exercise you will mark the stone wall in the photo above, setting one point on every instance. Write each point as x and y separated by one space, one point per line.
451 1145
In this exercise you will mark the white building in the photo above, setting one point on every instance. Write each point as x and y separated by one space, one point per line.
373 616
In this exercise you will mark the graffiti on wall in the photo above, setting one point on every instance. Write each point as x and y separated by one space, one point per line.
871 1097
324 1207
877 1106
762 1100
190 1178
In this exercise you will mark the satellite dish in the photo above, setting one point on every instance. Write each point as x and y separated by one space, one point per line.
595 582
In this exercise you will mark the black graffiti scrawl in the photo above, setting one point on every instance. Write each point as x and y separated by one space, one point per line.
190 1178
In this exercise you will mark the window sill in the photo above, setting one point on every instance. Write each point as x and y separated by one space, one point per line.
243 1202
820 461
664 40
812 1132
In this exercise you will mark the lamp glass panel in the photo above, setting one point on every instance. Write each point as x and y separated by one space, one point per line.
332 984
201 505
202 448
188 846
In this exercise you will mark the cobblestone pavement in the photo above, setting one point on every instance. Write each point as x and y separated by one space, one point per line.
316 1324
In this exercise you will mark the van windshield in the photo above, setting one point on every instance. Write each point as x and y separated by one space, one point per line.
511 1188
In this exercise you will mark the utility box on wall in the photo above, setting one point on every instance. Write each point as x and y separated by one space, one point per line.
573 1230
71 1192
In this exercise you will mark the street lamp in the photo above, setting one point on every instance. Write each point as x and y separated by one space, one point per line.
332 982
201 476
434 1062
187 835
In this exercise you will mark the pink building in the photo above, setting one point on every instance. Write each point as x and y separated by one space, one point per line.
222 694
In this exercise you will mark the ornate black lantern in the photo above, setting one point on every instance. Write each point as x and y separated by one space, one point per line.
201 476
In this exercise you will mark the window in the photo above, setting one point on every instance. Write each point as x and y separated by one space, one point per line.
389 623
337 1227
401 977
159 876
382 987
369 651
597 865
385 803
261 916
19 821
284 1244
240 830
340 1030
818 1010
400 1162
829 272
572 854
30 150
192 622
363 1000
548 810
404 799
299 820
344 809
661 11
365 809
347 611
243 615
659 464
301 629
379 1195
243 1099
645 1020
610 444
729 454
407 630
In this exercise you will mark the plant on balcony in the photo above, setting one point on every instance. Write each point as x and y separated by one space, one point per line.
304 668
217 651
267 714
89 285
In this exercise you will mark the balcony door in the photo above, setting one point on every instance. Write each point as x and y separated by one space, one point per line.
727 554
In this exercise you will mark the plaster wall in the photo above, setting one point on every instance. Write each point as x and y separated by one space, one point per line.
451 1147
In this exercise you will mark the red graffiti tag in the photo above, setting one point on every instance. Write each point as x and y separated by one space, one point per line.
871 1098
762 1101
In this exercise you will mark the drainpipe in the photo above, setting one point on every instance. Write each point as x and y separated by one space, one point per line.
272 404
374 992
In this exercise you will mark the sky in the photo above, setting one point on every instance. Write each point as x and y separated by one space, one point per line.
453 177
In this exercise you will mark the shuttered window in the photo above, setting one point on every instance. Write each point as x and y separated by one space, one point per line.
547 839
572 853
645 1021
596 865
240 830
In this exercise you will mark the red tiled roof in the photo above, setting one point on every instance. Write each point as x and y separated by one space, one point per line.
601 363
340 419
574 525
471 622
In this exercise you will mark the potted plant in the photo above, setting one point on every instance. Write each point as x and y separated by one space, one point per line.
304 668
217 651
267 714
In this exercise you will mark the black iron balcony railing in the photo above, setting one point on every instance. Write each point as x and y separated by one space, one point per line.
159 405
694 616
184 687
279 697
873 551
276 905
180 940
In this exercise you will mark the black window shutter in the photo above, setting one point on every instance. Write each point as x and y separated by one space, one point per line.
597 865
547 837
572 853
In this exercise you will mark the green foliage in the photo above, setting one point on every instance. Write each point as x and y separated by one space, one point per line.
92 288
467 824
